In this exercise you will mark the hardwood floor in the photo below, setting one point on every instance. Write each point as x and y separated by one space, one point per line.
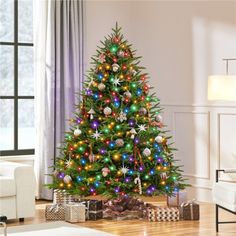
204 227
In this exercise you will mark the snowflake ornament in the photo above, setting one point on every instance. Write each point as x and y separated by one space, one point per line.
68 162
142 128
116 82
122 117
124 170
96 135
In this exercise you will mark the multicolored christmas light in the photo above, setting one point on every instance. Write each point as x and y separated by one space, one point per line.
116 144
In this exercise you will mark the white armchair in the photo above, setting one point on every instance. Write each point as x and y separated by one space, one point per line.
17 190
224 196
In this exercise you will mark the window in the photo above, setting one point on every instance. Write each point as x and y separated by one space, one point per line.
17 132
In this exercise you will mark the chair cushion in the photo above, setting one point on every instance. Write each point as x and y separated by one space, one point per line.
224 194
7 186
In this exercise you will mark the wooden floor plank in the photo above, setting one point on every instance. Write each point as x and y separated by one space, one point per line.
204 227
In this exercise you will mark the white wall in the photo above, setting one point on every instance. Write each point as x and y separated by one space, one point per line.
181 44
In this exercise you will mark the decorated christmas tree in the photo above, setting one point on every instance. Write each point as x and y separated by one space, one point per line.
117 144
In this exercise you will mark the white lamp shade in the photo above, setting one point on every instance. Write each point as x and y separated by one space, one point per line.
222 87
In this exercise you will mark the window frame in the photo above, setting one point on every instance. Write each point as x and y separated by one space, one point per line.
16 97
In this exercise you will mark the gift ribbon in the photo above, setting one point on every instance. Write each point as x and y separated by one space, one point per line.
190 202
54 207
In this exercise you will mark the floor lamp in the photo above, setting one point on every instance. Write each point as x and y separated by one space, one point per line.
223 87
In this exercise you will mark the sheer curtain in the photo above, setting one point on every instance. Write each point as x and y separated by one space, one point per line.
58 43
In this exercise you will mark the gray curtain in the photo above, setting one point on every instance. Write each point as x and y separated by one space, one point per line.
59 75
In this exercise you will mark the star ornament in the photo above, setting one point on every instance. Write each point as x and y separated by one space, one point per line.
96 135
142 128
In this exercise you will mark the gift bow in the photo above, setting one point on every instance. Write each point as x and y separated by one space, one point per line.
54 207
190 202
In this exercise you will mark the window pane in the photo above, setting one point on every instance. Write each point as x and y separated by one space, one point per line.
25 71
6 20
25 21
6 70
6 124
26 128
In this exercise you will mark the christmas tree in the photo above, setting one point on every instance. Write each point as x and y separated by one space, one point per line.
117 144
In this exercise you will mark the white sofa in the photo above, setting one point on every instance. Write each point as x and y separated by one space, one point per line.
17 190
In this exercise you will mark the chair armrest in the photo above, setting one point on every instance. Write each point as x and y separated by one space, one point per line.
225 171
25 186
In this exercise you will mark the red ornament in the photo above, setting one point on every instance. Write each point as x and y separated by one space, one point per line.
124 67
79 168
107 101
114 59
143 77
116 40
128 77
82 188
126 54
113 94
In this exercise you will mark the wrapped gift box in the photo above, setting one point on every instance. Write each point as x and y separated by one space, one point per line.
94 209
75 212
55 212
163 214
190 211
177 199
61 197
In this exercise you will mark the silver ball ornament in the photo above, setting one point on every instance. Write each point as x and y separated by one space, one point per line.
119 142
159 139
121 53
142 111
101 86
128 94
158 118
77 132
67 179
146 152
107 111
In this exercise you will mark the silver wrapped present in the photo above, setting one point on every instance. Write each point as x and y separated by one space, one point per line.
75 212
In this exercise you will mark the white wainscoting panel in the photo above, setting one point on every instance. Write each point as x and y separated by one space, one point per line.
227 143
205 137
191 134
